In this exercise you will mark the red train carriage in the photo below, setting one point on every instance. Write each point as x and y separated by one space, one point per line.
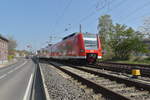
77 46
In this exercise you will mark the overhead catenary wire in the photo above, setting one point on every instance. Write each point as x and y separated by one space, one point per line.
117 5
89 15
101 8
141 17
94 12
58 20
136 10
133 12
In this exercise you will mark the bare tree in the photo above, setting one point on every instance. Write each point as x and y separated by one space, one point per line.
145 28
105 28
12 44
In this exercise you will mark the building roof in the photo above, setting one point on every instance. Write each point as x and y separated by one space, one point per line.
3 38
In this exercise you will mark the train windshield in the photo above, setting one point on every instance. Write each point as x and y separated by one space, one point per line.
90 41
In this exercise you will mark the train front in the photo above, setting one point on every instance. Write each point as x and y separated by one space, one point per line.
92 47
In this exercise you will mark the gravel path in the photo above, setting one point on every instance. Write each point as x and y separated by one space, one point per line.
61 87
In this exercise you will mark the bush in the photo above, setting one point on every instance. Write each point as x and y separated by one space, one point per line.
10 57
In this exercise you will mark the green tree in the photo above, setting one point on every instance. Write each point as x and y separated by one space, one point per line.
125 41
119 41
12 44
105 28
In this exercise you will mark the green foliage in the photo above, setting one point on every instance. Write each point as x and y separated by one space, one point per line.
12 44
105 27
119 41
10 57
125 41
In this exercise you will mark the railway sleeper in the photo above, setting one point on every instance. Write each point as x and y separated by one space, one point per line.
123 89
97 97
136 94
112 85
129 83
88 90
107 83
96 87
115 86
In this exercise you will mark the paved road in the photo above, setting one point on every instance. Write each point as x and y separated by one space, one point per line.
15 80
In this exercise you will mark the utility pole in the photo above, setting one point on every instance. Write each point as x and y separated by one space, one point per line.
50 39
80 28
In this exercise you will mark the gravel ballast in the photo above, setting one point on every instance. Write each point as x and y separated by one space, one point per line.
61 86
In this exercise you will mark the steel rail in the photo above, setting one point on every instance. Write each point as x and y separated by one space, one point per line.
122 69
132 65
96 87
118 79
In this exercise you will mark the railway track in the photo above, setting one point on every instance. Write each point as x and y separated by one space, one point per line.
111 87
125 64
119 73
123 68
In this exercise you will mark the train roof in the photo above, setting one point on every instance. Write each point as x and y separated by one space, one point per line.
73 34
69 36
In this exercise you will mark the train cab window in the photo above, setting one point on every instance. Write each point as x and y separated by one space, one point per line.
90 41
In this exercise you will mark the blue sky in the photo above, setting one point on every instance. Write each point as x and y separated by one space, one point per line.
32 22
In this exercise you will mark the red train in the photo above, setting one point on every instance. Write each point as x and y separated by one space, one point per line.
77 46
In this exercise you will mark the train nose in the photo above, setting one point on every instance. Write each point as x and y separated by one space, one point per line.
91 58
